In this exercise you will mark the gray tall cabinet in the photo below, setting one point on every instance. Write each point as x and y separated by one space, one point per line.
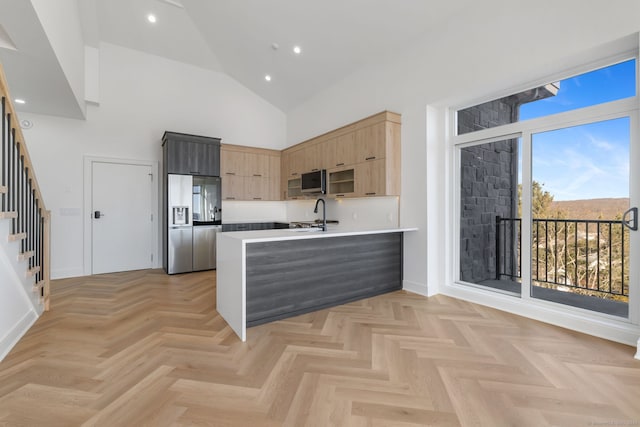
185 154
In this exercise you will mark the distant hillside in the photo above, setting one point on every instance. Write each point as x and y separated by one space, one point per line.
591 208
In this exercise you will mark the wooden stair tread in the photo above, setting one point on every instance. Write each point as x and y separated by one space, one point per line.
26 255
33 271
8 215
17 237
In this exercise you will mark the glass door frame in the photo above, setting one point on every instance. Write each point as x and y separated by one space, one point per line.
617 109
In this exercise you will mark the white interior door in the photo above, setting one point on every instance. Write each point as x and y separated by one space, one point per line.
121 210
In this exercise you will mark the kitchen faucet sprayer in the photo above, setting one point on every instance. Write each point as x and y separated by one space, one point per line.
324 213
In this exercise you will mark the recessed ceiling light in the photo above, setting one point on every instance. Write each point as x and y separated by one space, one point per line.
267 78
20 101
151 18
297 50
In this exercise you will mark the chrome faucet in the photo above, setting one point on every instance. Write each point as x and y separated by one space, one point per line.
324 213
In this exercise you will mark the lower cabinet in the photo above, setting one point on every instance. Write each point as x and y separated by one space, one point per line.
291 277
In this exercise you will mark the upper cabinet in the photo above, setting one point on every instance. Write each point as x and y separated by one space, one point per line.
362 159
345 150
190 154
249 173
371 142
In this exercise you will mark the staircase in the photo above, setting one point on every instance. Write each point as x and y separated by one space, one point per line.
24 232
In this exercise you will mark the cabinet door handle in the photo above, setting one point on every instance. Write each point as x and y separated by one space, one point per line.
256 174
230 173
370 158
370 194
339 164
339 195
314 170
230 198
257 198
294 174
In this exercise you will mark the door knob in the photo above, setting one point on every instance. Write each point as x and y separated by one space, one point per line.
98 214
630 219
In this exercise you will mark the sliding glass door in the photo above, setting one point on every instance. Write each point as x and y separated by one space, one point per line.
583 215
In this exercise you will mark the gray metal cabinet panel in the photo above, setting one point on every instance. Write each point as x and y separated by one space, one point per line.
287 278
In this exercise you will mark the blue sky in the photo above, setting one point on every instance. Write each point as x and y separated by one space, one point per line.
589 161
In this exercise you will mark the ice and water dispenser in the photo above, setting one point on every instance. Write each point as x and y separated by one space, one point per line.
180 215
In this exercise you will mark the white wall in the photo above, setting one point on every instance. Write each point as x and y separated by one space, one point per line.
493 46
17 311
61 21
141 96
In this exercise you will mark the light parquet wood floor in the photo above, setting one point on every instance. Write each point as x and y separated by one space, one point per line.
144 348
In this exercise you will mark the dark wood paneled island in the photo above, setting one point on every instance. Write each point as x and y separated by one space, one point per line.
269 275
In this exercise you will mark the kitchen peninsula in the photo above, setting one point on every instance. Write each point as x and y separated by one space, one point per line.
274 274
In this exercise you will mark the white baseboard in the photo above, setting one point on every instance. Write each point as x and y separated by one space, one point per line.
415 287
66 273
572 318
638 350
17 331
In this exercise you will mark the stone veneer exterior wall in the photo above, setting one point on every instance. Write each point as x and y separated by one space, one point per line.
489 181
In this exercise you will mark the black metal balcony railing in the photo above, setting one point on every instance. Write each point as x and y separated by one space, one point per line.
591 255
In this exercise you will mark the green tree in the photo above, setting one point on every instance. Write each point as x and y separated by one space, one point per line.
541 201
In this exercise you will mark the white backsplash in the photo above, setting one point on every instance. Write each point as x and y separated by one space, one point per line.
363 212
236 211
372 212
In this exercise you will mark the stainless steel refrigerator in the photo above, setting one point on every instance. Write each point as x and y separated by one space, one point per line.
207 217
180 224
194 215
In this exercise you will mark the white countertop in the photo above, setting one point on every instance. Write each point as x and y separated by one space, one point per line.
307 233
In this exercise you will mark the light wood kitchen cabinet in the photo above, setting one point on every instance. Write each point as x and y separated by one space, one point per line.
328 154
257 164
371 178
371 142
362 159
232 162
293 189
233 187
256 188
345 150
273 190
313 157
295 163
249 173
341 182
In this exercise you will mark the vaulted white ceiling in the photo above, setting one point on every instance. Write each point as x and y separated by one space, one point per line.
237 37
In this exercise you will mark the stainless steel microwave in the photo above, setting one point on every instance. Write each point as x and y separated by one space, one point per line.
314 182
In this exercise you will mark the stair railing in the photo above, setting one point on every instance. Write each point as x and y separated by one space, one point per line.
21 199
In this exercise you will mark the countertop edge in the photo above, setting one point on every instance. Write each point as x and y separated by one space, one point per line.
282 235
